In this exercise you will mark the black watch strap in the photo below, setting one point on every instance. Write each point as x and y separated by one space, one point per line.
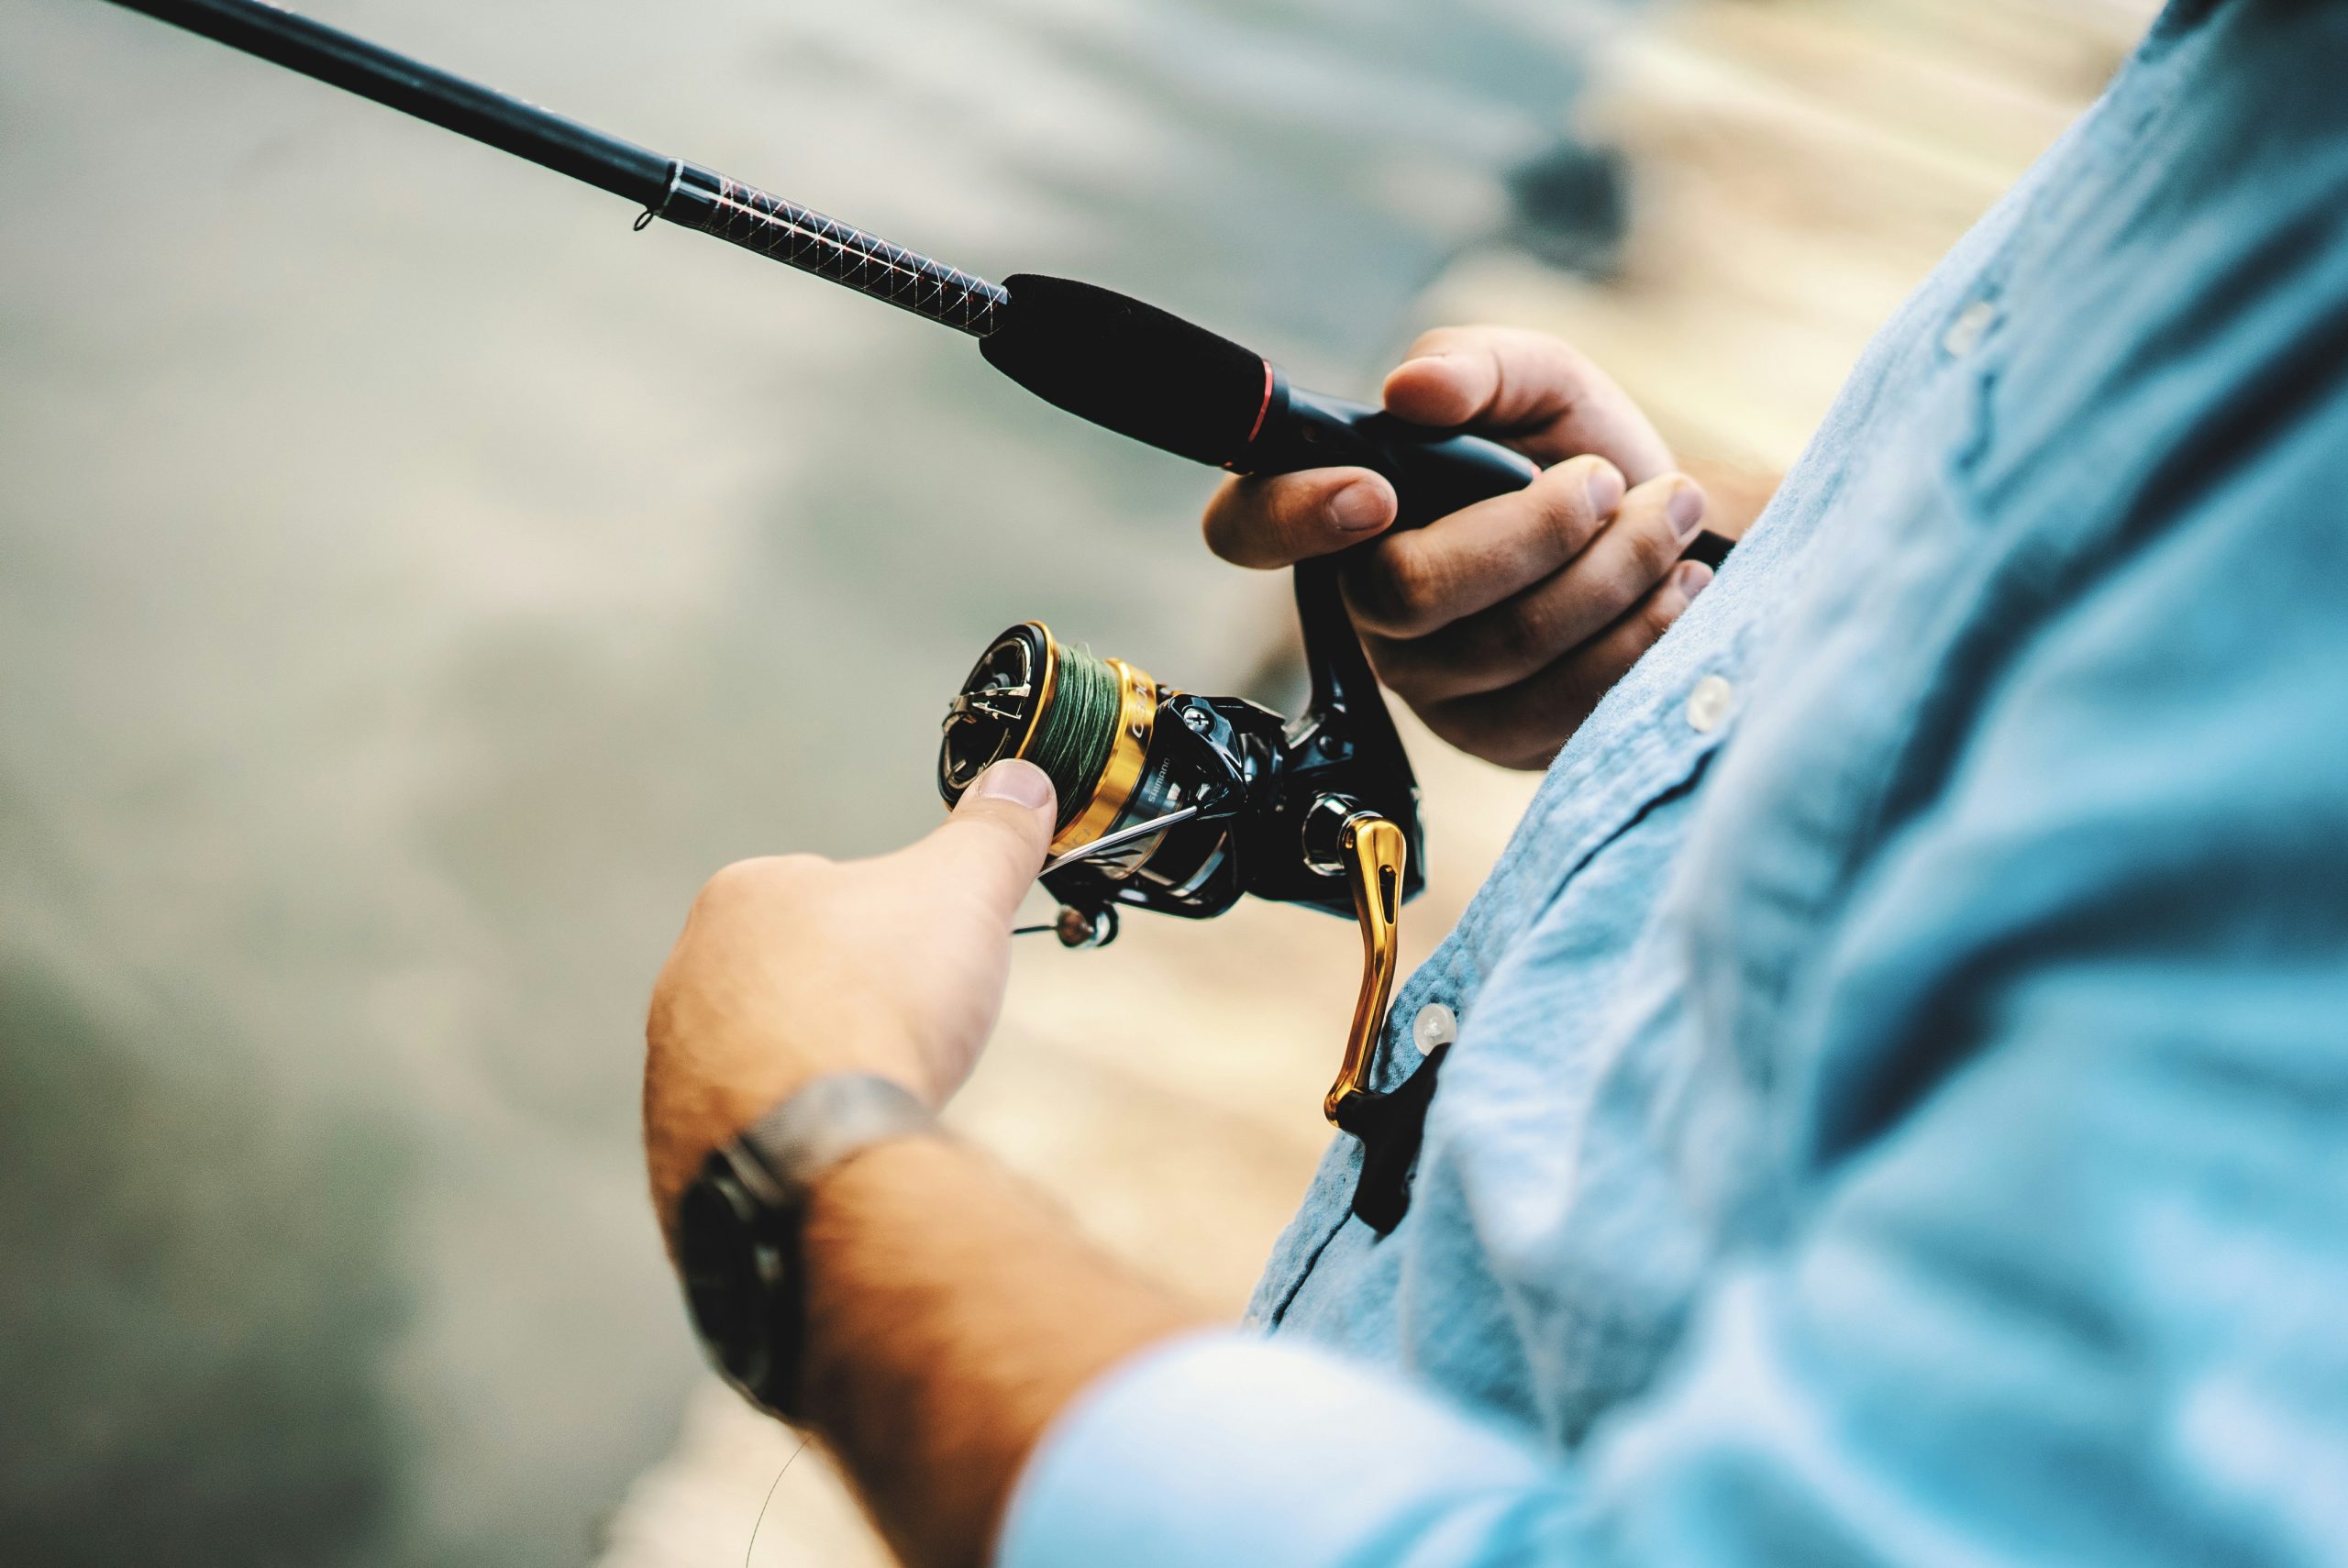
739 1226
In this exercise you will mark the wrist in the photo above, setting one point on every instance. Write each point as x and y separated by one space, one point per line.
741 1224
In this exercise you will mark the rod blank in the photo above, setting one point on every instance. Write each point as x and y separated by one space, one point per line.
413 88
668 188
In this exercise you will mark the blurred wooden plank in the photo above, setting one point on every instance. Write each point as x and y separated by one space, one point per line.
1801 164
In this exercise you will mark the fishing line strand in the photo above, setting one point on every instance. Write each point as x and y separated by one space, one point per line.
1074 734
769 1498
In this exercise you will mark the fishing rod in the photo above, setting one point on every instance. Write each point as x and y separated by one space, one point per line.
1169 800
1099 354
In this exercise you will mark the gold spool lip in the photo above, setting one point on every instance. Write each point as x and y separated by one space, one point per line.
1128 754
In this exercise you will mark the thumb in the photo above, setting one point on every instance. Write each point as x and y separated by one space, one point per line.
1542 395
995 842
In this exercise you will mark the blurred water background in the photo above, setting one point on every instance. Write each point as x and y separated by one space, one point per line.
413 584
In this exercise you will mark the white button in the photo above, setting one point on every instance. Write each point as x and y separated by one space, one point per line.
1965 333
1435 1025
1708 705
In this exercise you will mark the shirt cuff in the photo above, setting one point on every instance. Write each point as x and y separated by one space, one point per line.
1225 1448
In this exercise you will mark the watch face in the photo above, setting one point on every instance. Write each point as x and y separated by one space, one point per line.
732 1272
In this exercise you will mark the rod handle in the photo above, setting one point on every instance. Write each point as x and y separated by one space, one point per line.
1435 472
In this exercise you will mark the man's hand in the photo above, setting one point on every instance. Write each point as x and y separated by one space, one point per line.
1503 623
950 1315
795 966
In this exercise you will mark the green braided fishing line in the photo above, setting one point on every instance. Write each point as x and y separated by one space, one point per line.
1075 732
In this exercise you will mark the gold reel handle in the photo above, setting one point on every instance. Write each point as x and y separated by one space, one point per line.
1375 851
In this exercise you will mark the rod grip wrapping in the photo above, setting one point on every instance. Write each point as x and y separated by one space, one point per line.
799 237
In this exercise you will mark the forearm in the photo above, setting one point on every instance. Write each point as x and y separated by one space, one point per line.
951 1314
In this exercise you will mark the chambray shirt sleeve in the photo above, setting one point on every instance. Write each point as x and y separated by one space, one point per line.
2063 1276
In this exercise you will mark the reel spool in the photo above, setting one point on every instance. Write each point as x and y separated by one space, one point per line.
1086 721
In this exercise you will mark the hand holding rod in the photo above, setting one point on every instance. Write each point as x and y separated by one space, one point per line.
1149 374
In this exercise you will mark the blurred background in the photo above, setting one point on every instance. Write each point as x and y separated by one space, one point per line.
413 584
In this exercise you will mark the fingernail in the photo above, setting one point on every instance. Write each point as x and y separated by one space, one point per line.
1359 507
1605 486
1020 783
1687 507
1692 579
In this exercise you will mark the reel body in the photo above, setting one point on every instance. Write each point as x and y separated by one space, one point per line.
1181 803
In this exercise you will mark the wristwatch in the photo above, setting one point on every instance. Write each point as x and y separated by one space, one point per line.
738 1225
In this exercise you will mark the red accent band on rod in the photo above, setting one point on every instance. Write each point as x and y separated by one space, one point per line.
1266 406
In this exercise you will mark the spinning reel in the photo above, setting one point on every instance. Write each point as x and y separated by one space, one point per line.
1178 802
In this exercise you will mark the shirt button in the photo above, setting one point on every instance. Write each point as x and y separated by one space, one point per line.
1435 1025
1708 705
1965 333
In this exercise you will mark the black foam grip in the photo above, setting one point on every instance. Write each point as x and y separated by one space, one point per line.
1435 472
1128 366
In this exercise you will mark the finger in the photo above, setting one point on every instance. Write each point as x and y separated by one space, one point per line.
1277 520
1523 634
1409 583
1542 395
1523 725
993 848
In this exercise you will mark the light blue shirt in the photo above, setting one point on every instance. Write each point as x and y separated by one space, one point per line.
1901 1105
